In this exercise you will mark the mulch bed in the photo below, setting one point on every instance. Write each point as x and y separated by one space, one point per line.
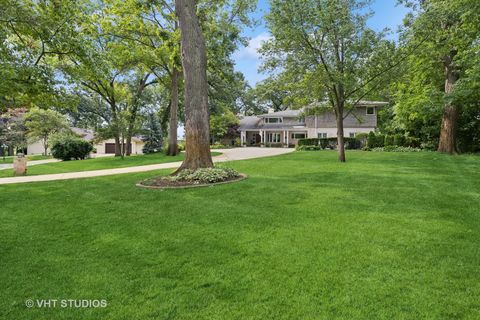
162 183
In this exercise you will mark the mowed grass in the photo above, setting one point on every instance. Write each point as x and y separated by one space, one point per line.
9 159
98 164
383 236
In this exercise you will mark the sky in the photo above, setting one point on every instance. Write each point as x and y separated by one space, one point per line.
386 15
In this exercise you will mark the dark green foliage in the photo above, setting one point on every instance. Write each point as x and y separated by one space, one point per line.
352 144
389 140
399 140
70 147
309 142
153 134
396 149
327 143
375 140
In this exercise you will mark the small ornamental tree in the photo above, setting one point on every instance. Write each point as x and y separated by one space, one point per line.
224 125
41 124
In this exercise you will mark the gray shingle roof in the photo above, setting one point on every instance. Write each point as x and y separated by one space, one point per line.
250 122
285 113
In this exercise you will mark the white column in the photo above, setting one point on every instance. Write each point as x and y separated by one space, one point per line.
287 137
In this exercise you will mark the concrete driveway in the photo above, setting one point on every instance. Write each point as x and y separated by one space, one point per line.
227 155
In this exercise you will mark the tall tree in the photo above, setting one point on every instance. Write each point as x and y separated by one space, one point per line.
33 34
194 62
327 53
149 29
448 32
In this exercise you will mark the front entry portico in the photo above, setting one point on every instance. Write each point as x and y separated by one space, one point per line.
271 137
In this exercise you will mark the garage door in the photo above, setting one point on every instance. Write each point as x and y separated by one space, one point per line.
109 147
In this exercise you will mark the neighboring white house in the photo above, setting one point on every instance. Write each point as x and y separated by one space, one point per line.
102 147
287 127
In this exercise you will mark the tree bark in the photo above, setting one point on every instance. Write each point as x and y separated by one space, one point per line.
45 146
340 138
173 122
448 131
194 61
118 149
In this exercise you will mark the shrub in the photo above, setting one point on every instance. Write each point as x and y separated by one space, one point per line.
327 143
399 140
375 140
412 142
309 142
362 136
352 143
396 149
308 148
69 147
205 175
390 140
218 145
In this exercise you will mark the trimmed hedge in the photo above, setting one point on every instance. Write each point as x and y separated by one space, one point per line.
378 140
327 143
70 147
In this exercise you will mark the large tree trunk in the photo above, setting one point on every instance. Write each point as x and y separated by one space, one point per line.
173 122
128 144
448 131
340 138
194 61
118 147
45 146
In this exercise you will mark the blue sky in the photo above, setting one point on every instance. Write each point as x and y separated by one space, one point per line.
386 15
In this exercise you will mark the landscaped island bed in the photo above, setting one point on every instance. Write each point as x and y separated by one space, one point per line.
383 236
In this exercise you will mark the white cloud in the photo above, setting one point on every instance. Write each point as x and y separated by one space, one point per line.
251 51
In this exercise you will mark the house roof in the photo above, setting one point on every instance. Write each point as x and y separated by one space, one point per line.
84 133
360 103
249 122
285 113
364 103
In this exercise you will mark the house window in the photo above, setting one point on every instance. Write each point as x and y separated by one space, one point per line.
273 120
299 135
322 135
301 120
352 134
370 110
273 137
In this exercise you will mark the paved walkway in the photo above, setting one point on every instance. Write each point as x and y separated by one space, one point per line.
227 155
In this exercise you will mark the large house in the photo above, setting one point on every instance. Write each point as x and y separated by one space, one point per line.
285 128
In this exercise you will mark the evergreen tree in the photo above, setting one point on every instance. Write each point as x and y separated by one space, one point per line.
153 134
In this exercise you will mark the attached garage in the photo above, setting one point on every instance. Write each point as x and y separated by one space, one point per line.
109 148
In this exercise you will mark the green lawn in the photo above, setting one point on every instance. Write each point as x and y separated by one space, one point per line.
9 159
98 164
383 236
